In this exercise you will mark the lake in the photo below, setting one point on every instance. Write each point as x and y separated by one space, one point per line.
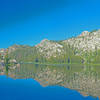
42 82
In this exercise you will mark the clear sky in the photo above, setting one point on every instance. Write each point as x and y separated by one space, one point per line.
30 21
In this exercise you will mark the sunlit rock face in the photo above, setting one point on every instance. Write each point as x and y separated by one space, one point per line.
86 41
49 48
84 79
85 33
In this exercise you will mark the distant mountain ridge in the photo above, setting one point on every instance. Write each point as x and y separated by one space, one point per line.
84 48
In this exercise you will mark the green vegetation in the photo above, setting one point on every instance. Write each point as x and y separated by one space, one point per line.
27 54
31 54
7 63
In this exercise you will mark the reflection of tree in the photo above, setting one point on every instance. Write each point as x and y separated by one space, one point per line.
36 60
68 60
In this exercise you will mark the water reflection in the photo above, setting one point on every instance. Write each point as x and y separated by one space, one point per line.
84 79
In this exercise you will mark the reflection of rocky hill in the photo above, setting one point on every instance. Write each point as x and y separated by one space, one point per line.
50 77
85 80
87 83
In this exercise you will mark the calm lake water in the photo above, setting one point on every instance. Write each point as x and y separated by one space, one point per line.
44 83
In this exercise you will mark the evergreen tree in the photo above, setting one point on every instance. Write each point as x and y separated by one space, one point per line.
6 61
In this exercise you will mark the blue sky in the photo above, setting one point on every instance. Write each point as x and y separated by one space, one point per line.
30 21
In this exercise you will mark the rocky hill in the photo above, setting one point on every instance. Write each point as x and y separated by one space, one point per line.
84 48
49 48
86 42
